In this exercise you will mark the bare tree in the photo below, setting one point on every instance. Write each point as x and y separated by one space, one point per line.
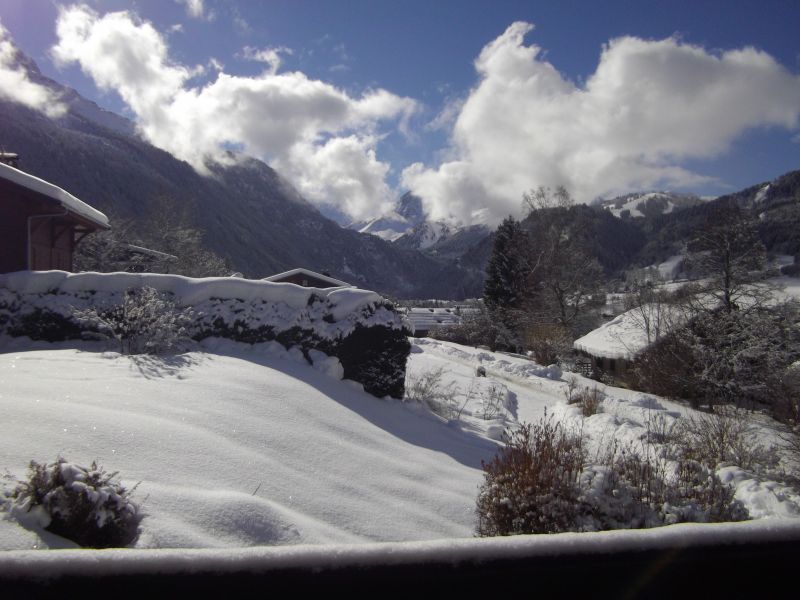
562 275
654 310
730 257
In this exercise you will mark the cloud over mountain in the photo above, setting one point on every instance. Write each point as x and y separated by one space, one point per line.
321 137
648 106
16 85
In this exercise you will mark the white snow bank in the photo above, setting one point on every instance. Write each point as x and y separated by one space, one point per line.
239 447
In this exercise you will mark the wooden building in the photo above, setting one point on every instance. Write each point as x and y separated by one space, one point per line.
40 224
307 278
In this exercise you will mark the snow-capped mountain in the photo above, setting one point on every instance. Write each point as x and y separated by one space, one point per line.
649 204
407 226
426 234
403 219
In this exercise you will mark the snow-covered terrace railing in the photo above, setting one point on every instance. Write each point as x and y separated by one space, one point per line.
359 327
724 560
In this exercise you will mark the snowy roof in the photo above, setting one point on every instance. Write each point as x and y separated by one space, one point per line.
423 319
150 252
309 273
67 200
626 335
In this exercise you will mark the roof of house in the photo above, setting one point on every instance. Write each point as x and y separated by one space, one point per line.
309 273
625 336
423 319
149 252
67 200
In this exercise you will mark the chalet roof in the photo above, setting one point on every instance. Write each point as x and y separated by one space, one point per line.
67 200
309 273
423 319
626 335
149 252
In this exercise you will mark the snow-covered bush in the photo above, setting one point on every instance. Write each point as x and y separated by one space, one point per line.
738 357
82 504
146 321
654 485
549 343
493 400
541 482
427 389
531 485
725 436
589 399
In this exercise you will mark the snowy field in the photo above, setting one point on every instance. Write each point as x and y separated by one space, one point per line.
237 445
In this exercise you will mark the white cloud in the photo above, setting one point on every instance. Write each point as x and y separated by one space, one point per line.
197 9
343 167
15 85
447 116
647 107
270 56
323 139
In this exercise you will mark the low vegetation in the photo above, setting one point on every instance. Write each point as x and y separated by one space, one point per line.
428 389
542 481
146 321
82 504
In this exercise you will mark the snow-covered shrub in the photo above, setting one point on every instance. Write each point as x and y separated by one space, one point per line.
725 436
146 321
427 389
654 485
736 357
541 482
698 495
590 400
531 485
493 399
374 355
82 504
549 343
44 324
785 387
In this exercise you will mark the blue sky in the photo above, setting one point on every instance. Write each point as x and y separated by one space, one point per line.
347 95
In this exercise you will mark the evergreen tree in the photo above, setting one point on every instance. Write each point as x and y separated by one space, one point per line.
505 285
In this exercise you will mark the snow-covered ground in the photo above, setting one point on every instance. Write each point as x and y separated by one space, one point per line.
238 445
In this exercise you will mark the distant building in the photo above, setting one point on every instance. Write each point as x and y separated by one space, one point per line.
422 320
307 278
10 158
40 224
612 347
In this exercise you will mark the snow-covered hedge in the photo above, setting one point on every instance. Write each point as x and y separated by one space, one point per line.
359 327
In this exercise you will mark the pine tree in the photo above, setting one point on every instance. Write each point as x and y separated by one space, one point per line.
505 274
